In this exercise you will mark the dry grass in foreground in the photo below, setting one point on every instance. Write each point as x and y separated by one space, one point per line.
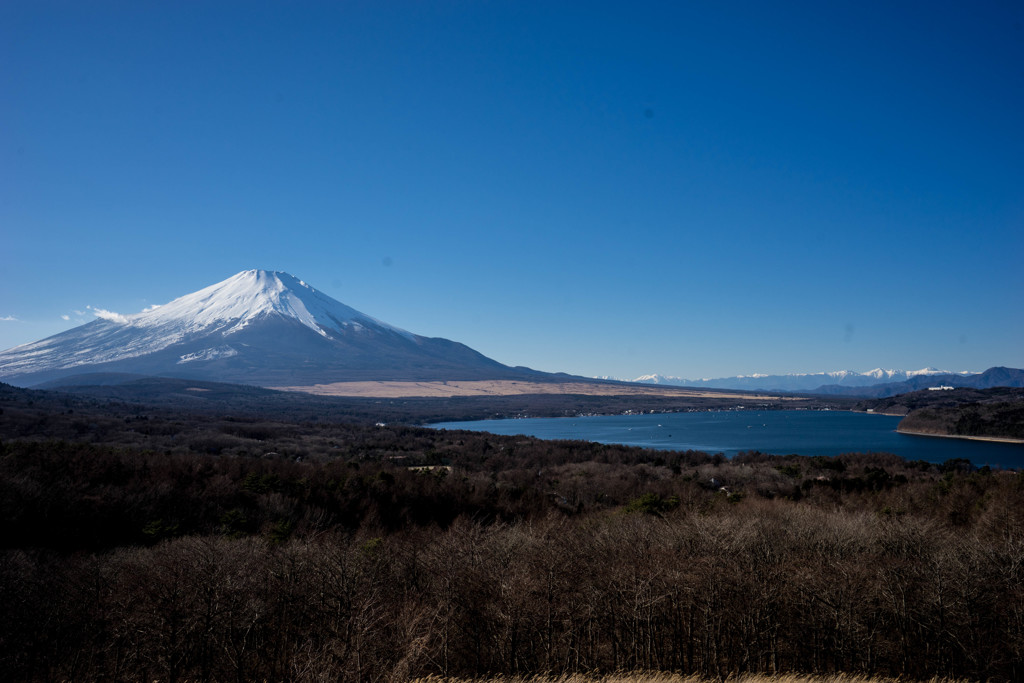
663 677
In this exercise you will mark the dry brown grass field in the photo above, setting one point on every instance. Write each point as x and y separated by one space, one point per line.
516 388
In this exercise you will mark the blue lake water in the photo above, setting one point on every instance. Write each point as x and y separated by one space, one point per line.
781 432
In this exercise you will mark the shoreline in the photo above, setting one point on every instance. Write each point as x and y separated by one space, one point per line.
995 439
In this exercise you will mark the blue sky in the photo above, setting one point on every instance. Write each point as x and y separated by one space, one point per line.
695 189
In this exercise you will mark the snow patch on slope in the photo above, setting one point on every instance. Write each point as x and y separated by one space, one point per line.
208 354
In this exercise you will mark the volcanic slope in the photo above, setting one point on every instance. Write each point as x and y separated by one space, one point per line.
258 327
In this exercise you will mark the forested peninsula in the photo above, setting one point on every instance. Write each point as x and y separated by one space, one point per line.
991 414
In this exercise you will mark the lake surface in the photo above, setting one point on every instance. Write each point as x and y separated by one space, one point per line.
804 432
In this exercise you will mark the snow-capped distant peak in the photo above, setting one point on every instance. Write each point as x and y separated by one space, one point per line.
234 303
217 311
926 371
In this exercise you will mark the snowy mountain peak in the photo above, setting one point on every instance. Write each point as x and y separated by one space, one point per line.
233 304
257 327
207 326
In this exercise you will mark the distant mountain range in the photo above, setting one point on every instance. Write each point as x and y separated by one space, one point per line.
258 327
876 383
993 377
804 382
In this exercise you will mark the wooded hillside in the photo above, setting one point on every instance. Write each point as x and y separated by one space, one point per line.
171 546
991 413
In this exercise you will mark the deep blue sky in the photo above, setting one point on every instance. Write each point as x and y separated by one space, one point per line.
696 189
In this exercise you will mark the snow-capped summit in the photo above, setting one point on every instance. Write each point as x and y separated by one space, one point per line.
257 327
929 371
231 305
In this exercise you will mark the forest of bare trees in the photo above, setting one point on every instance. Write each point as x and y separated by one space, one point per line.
360 553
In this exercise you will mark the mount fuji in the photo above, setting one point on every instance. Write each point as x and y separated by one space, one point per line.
259 327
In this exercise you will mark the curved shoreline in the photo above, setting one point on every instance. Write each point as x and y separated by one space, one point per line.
995 439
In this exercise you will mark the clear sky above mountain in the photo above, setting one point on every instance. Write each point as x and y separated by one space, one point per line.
694 189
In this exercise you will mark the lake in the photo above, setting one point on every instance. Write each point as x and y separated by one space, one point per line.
804 432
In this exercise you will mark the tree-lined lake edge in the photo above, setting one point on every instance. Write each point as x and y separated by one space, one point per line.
780 432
